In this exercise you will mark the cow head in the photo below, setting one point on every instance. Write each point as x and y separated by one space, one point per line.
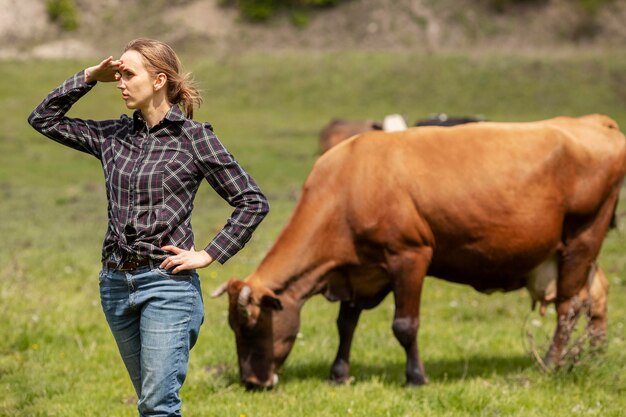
265 328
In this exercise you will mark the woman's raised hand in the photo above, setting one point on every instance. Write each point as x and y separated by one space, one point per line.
105 71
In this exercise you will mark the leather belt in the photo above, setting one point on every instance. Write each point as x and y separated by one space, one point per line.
130 264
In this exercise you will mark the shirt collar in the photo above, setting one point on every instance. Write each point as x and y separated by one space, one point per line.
174 114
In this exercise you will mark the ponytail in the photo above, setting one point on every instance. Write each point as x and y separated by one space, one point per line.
183 91
160 57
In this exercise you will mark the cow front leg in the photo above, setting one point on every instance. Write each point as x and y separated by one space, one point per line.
409 271
346 324
405 330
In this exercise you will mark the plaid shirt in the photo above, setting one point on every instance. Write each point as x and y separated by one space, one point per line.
152 176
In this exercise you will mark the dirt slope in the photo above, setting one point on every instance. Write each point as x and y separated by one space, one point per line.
202 25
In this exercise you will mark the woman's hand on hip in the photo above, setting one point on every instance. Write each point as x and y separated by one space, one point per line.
105 71
185 259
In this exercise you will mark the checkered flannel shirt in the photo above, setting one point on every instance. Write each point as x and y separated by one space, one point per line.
152 176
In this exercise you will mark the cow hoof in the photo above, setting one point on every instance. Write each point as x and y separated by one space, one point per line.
339 373
551 362
256 387
333 380
416 381
597 337
254 384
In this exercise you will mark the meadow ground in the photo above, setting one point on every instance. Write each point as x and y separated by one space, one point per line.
57 357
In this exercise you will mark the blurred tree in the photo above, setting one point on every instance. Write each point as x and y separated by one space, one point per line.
63 12
593 6
589 6
260 10
501 6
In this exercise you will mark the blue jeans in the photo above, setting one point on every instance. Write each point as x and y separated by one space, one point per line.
155 317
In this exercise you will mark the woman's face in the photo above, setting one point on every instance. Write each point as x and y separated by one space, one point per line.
136 83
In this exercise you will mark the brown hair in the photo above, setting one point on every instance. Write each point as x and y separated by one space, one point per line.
160 57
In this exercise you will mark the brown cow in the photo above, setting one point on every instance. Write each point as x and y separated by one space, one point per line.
338 130
493 205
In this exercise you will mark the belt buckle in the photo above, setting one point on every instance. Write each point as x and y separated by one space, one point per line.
133 263
130 264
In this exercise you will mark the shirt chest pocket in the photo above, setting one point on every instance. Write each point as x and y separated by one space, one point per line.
149 190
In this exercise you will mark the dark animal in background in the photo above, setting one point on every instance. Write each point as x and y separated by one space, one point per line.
443 119
338 130
380 211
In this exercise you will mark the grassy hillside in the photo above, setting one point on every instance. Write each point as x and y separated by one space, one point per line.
57 357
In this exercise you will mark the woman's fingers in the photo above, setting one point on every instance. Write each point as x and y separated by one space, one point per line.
171 248
106 61
171 261
105 71
183 259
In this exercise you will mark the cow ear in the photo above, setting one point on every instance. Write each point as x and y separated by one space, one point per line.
270 300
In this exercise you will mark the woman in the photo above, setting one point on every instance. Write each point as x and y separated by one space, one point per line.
153 164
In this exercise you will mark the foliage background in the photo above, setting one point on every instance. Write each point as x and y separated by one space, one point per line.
82 28
258 10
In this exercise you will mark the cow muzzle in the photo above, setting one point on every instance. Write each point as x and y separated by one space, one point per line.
254 384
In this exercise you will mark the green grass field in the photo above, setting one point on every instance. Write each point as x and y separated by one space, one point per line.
57 357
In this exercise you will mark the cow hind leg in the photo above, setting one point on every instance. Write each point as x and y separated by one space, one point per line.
409 271
577 265
597 295
568 313
346 325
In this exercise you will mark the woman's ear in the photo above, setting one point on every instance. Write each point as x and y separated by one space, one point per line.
159 81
